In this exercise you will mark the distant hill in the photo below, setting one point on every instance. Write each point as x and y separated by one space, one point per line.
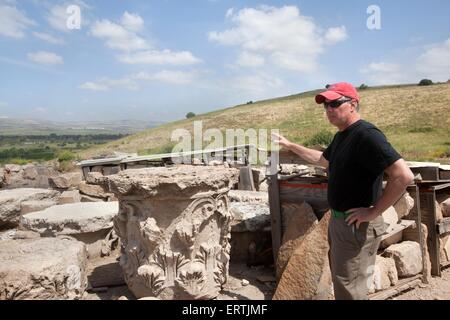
12 126
416 119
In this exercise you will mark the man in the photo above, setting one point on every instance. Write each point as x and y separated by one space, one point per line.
356 160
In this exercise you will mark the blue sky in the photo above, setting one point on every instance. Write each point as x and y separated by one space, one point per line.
157 60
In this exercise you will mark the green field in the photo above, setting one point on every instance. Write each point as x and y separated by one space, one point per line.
416 120
21 149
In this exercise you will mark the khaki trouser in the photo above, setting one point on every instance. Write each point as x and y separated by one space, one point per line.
352 256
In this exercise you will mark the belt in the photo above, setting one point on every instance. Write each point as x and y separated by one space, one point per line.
339 214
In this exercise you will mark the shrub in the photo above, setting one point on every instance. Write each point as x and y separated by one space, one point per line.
66 156
322 139
190 115
425 82
363 87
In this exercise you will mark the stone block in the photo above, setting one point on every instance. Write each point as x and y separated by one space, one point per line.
298 221
407 257
251 217
404 205
307 275
11 203
66 180
72 196
42 269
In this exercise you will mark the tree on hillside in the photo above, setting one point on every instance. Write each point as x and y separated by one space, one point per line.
190 115
363 86
425 82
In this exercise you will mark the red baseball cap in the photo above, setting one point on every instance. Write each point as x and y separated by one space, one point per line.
336 91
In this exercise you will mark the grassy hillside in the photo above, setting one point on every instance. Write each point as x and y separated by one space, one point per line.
416 120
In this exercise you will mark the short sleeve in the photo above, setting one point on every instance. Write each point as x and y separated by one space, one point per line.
375 152
327 151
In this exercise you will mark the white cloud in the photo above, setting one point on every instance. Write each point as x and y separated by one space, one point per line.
48 38
57 17
166 76
94 86
132 21
382 73
3 104
160 57
13 22
132 81
40 109
249 59
434 63
288 39
117 37
258 84
335 35
45 57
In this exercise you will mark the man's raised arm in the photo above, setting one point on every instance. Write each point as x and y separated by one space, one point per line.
310 155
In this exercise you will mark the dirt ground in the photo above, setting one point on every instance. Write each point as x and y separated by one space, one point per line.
244 283
437 289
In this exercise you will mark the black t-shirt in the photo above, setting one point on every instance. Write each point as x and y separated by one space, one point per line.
357 158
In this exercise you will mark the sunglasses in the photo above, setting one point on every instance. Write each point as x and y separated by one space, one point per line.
335 103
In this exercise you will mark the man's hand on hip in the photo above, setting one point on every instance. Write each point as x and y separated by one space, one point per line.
359 215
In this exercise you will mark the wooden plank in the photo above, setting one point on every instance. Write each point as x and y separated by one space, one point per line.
428 210
275 214
399 227
401 286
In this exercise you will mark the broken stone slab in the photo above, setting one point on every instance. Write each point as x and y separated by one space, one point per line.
42 269
89 222
248 196
391 218
27 176
66 180
36 205
15 234
85 198
72 196
72 218
384 274
11 203
174 226
404 205
299 220
93 190
307 275
251 217
407 257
